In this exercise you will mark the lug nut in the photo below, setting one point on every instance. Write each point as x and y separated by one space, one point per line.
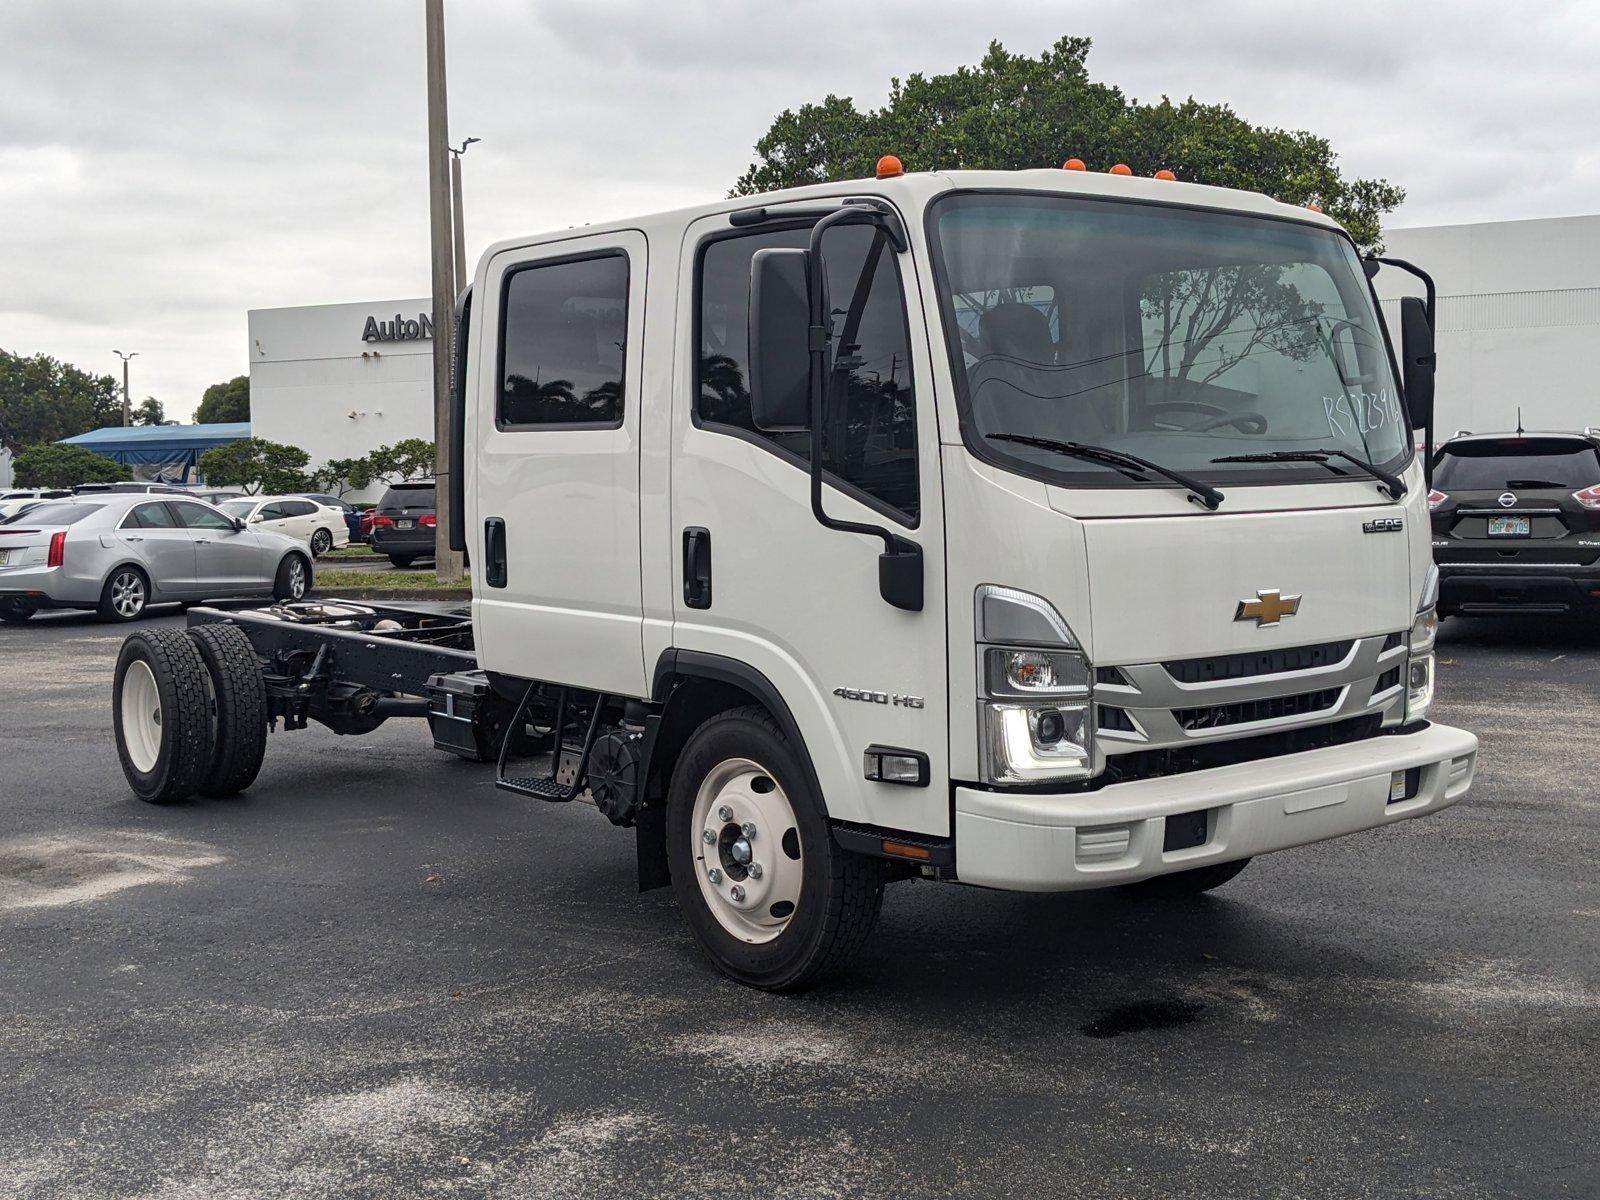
715 874
724 813
708 837
736 892
755 870
749 831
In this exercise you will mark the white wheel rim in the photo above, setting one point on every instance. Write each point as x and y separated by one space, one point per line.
127 594
297 578
141 716
744 833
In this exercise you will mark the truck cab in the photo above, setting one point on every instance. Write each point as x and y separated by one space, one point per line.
1038 530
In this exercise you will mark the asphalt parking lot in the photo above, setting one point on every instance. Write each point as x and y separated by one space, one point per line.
375 975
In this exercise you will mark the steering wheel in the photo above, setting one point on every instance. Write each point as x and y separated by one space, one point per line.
1247 422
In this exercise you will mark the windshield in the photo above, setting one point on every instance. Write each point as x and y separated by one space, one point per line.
239 509
1178 335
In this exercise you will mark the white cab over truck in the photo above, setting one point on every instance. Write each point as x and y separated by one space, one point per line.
1035 530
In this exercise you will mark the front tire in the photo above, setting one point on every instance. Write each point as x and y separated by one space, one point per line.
15 612
293 580
1187 883
321 543
161 715
769 895
125 595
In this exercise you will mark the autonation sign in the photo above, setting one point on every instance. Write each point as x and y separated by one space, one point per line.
401 329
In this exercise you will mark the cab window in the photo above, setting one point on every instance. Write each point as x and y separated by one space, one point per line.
871 442
563 342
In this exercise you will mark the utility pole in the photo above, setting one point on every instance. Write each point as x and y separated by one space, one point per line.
460 220
127 409
447 562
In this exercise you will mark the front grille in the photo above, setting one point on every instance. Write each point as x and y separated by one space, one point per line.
1110 675
1116 718
1203 756
1257 662
1389 679
1216 716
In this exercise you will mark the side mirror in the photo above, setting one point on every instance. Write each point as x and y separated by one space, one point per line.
1417 360
256 519
780 352
238 525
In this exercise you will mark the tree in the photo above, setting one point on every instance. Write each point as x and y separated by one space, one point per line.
1012 112
43 400
256 465
409 458
149 411
340 475
54 465
225 402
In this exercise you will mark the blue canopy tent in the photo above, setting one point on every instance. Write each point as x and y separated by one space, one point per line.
160 452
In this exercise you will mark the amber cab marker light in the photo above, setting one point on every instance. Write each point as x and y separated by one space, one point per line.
1121 169
889 166
1165 174
1074 164
901 850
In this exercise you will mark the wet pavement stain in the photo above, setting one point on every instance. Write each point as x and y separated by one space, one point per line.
1140 1016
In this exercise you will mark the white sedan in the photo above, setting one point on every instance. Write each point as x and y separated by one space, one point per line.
320 526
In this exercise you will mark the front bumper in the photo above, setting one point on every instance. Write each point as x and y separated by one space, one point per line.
1048 843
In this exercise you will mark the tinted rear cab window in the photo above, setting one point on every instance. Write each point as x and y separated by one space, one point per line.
1525 463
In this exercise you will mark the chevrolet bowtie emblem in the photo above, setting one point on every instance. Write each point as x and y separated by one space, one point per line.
1268 608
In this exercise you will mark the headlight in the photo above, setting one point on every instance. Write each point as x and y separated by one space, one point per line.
1424 632
1035 713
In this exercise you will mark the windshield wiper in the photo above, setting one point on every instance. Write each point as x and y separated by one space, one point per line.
1390 483
1200 493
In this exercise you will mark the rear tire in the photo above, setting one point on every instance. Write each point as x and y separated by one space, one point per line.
293 580
161 715
15 612
740 761
321 543
402 560
1187 883
125 596
239 706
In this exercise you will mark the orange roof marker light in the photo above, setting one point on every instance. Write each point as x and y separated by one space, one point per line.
1165 174
889 166
1121 169
1074 164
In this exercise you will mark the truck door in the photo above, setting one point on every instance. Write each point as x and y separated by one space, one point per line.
555 479
758 580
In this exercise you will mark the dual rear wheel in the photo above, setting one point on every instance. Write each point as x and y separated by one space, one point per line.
189 709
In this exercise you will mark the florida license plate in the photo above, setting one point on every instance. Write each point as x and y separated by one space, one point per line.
404 524
1510 526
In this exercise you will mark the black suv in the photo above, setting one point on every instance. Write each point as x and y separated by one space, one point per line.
403 524
1516 522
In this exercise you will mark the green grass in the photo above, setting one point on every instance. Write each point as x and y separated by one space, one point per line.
361 552
333 580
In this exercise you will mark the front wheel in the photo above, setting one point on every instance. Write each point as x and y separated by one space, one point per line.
293 580
125 595
769 895
321 543
15 612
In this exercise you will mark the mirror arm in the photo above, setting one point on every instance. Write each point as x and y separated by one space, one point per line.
893 569
1429 303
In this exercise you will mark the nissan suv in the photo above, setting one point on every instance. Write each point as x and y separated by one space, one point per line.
1516 522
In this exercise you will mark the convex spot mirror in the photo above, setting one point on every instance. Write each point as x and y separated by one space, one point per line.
1417 360
780 350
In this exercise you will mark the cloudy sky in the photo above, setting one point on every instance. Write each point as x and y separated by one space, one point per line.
166 166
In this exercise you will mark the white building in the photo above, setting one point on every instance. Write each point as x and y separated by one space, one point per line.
340 380
1518 319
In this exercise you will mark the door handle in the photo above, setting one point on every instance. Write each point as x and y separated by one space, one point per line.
494 545
697 567
202 541
127 538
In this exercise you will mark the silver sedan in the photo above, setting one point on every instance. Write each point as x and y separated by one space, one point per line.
119 553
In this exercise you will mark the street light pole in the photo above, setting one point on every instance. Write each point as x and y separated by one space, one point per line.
447 562
459 221
127 409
